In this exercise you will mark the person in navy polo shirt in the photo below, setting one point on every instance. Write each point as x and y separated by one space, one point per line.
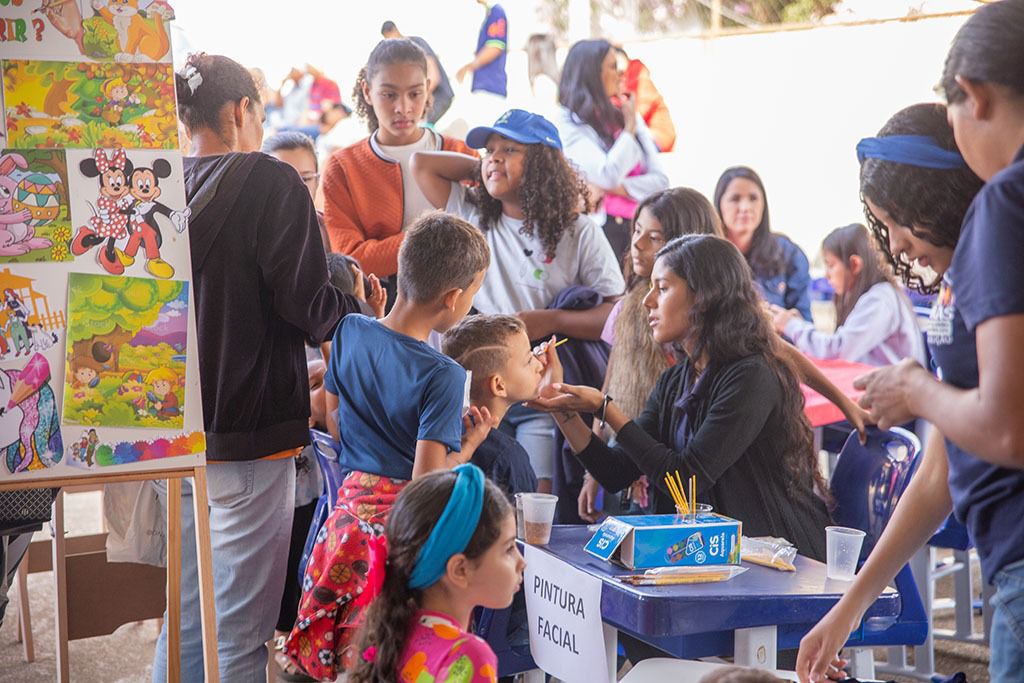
976 336
490 83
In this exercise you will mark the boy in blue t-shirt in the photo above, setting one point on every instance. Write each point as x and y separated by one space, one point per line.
398 402
399 405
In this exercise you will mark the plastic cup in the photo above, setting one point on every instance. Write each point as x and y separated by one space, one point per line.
698 509
538 516
842 550
520 527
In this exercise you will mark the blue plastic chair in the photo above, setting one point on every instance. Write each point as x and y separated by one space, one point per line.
327 450
867 484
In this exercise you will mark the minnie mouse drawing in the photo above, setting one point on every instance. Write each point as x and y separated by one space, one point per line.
111 213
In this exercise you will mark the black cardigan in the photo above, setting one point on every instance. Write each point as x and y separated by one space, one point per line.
732 446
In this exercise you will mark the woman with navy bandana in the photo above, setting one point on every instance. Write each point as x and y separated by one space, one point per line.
976 335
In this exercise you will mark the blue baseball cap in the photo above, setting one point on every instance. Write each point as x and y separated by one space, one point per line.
520 126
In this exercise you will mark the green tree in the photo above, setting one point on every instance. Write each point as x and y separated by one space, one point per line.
109 309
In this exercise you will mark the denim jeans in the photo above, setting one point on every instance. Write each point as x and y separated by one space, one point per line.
1007 639
535 431
251 506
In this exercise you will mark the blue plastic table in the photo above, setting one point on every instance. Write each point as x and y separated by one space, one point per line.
750 616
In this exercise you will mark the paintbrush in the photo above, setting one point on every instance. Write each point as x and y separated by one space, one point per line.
542 348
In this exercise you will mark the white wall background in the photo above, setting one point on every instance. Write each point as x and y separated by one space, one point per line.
792 105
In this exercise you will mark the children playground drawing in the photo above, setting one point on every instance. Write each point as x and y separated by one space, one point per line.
126 344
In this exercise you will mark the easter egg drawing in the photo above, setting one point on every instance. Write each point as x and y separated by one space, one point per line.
39 194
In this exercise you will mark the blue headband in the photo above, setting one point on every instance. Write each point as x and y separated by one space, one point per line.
914 150
453 530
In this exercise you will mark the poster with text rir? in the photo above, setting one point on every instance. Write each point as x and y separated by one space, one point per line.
98 367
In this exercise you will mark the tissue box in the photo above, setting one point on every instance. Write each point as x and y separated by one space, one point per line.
648 541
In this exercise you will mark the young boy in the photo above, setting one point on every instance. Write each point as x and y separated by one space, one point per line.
505 372
400 407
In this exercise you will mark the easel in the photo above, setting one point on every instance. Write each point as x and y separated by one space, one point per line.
204 555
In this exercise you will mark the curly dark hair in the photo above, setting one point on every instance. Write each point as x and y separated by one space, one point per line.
417 509
930 202
388 51
552 193
726 323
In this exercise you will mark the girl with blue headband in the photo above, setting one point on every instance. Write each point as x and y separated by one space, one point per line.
450 547
974 463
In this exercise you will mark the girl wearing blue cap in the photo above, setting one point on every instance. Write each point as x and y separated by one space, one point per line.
450 546
531 205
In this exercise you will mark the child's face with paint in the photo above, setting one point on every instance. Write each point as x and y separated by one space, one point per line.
119 92
85 375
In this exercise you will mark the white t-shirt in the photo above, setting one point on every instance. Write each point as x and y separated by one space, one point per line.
415 201
521 278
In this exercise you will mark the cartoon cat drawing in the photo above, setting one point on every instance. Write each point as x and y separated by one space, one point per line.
136 33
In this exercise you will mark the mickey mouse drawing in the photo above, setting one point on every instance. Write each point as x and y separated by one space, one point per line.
127 209
110 218
144 187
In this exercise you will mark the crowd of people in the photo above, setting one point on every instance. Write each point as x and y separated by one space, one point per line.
426 300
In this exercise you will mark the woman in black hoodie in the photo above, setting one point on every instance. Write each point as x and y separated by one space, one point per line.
261 289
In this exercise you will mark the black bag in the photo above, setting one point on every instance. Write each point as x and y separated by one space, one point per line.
25 509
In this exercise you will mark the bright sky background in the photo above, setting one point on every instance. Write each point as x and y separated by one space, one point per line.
335 36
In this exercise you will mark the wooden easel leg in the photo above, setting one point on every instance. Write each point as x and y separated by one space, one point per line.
60 581
24 613
173 580
204 557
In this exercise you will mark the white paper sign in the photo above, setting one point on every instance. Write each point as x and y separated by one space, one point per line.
563 605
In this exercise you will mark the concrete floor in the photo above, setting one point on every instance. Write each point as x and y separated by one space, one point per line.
126 655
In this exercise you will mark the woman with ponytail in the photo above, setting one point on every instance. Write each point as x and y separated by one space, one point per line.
260 285
450 546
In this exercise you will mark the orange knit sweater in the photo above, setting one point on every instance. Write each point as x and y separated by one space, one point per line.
363 204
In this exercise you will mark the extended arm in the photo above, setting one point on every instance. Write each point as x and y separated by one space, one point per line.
987 421
921 510
588 324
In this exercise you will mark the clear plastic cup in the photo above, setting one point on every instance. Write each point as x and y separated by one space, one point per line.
842 550
520 527
698 509
538 516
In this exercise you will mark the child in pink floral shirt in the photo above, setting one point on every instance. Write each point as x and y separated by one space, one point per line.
449 546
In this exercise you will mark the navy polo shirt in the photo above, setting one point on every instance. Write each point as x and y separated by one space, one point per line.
985 280
493 33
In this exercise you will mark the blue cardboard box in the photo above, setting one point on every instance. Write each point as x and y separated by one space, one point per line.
649 541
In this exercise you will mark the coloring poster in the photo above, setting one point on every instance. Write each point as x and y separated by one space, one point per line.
35 221
127 340
98 367
73 30
88 104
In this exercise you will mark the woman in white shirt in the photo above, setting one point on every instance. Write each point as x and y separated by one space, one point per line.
606 139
